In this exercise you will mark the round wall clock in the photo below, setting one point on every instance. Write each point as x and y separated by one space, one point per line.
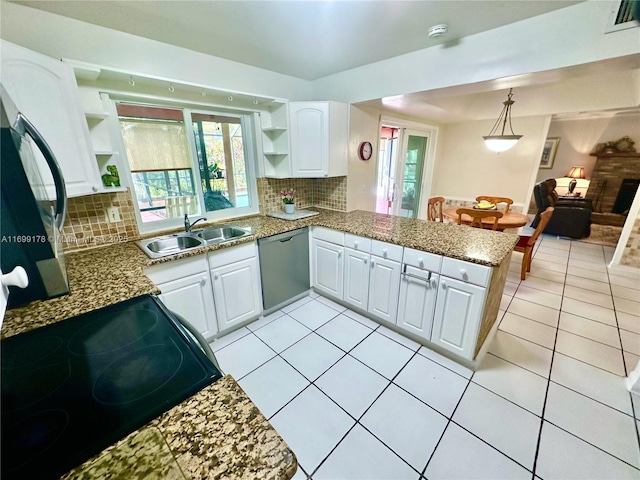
365 151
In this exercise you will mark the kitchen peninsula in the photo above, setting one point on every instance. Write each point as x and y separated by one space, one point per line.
107 275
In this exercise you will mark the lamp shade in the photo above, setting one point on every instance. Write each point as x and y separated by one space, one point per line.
575 172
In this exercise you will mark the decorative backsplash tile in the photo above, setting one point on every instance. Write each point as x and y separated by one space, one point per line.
330 193
86 224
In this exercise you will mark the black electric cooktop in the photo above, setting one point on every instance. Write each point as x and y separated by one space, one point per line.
73 388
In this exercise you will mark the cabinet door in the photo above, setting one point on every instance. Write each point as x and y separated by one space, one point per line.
458 314
309 125
236 289
191 297
356 278
384 286
417 302
328 268
45 91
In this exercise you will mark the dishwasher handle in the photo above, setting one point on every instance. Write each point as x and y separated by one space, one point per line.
283 237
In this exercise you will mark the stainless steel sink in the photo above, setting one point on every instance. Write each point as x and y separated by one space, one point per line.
169 245
179 242
222 233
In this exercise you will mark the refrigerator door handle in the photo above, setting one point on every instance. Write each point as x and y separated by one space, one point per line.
21 126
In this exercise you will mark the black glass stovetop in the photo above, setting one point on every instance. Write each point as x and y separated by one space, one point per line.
73 388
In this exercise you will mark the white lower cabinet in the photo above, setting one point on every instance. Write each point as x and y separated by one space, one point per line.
384 285
235 276
186 290
327 268
190 297
458 315
417 303
356 278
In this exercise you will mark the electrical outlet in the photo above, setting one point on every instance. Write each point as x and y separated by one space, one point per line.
113 215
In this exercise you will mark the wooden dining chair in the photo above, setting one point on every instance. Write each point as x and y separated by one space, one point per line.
497 200
478 215
434 209
526 243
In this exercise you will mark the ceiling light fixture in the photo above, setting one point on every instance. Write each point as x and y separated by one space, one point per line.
255 101
230 98
132 82
502 142
171 88
438 30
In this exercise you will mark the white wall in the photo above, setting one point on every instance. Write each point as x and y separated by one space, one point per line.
62 37
361 180
579 137
465 168
569 36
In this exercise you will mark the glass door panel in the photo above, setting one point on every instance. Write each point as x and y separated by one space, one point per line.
409 173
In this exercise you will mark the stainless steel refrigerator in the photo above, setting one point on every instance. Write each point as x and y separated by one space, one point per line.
30 221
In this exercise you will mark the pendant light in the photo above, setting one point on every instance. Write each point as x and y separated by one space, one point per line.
502 142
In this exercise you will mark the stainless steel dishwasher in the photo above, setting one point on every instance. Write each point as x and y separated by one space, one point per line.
284 266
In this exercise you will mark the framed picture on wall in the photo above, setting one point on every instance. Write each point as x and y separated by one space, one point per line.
549 152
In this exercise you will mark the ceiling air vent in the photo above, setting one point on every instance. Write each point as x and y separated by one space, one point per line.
622 16
625 12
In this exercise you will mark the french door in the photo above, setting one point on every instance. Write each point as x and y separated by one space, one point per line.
409 171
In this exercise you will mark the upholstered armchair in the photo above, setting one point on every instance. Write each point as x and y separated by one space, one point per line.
571 216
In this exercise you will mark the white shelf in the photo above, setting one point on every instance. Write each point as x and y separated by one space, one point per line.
274 129
105 153
104 189
276 154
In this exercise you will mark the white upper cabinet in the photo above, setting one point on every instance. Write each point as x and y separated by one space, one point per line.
319 134
45 91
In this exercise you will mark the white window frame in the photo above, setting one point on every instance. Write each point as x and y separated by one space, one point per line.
248 133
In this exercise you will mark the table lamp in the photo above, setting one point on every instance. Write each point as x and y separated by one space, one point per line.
574 174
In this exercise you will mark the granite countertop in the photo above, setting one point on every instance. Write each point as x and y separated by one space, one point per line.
102 276
217 433
196 431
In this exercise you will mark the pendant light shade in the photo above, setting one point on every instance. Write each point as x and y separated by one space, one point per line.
502 143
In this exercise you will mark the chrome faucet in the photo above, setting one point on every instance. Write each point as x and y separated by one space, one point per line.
187 225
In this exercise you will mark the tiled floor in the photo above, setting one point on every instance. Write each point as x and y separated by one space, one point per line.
355 400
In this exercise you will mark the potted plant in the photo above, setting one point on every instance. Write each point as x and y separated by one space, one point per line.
215 170
289 200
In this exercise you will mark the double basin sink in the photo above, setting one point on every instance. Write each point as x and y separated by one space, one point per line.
166 245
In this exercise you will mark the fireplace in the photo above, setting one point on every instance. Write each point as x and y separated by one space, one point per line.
626 194
613 186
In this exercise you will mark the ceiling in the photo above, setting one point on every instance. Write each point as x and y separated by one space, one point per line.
304 39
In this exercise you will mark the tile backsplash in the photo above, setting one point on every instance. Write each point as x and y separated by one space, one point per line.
86 224
330 193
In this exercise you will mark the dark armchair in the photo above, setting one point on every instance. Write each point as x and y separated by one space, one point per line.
571 216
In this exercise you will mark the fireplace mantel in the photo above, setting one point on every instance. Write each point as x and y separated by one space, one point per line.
616 155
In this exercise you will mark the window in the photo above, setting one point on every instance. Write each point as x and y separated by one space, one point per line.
187 162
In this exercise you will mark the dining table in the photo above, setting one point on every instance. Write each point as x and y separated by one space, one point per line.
508 220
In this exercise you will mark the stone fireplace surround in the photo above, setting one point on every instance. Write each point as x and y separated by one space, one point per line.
610 171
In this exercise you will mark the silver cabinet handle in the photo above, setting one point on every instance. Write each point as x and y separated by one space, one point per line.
444 284
216 276
365 261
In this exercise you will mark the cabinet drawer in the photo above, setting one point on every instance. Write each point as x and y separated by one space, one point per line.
360 244
229 255
386 250
328 235
465 271
422 260
169 271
